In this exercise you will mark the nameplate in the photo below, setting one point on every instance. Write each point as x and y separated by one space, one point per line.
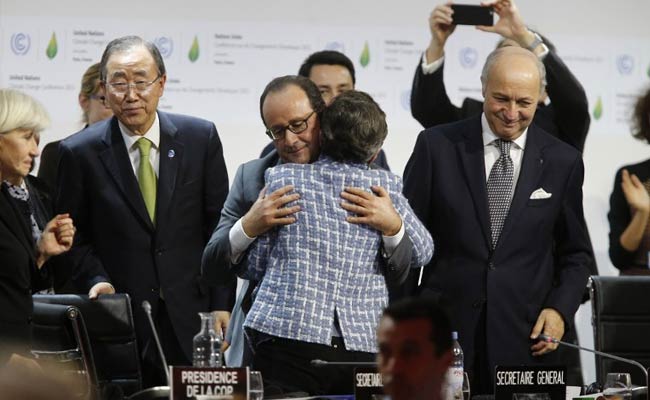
530 383
208 383
367 382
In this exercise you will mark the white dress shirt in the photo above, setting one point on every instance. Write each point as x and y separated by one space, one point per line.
130 139
492 152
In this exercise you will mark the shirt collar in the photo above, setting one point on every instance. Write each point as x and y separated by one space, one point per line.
153 134
489 137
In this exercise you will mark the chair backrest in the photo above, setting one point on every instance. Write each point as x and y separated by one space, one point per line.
621 322
109 320
59 335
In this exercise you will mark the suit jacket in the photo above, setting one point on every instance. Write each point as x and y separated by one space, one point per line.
47 169
19 276
543 252
116 240
628 262
567 117
41 200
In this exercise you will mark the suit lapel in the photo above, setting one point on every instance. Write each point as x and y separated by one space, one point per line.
472 156
171 159
10 218
532 166
116 160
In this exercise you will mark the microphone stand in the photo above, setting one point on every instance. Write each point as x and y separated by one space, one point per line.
147 310
549 339
323 363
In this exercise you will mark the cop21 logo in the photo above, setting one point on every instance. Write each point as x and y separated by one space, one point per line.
20 43
165 45
468 57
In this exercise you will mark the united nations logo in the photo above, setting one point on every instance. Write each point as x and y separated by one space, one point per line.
20 43
165 45
625 64
336 46
468 57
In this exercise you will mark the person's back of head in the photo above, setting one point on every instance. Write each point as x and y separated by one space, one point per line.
353 128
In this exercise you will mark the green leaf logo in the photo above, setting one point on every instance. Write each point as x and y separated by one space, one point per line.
598 109
52 47
194 50
365 55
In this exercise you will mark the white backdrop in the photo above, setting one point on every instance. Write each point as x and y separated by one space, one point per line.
219 56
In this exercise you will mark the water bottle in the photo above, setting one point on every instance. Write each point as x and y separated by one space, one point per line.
207 344
455 371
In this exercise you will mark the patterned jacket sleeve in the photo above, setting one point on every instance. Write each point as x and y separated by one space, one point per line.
258 256
416 231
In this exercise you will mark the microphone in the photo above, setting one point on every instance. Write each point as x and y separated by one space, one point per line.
549 339
322 363
147 310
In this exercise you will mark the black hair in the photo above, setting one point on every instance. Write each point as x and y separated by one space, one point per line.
307 86
326 57
423 308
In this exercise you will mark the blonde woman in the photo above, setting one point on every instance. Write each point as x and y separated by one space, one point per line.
25 247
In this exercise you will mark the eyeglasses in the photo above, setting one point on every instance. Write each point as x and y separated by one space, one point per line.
296 127
123 87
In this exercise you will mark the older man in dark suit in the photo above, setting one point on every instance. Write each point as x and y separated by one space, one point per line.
146 188
502 199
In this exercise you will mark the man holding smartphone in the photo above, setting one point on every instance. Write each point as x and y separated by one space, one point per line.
567 115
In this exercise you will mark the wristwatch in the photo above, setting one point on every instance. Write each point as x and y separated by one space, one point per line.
538 40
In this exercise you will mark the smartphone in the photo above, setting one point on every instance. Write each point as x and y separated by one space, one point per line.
467 14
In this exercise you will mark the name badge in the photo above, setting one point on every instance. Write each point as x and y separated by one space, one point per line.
208 383
368 384
530 383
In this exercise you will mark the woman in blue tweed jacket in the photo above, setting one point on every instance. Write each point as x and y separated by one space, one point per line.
321 276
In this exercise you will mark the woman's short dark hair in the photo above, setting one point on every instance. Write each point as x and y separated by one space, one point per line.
311 90
353 127
641 117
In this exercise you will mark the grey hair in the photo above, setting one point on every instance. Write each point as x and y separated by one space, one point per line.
125 43
21 111
494 56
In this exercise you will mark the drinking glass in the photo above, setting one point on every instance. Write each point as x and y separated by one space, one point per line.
618 386
466 389
256 385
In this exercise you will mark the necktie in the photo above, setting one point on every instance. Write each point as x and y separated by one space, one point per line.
499 189
147 177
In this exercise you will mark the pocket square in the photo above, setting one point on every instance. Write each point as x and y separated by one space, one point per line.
540 194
